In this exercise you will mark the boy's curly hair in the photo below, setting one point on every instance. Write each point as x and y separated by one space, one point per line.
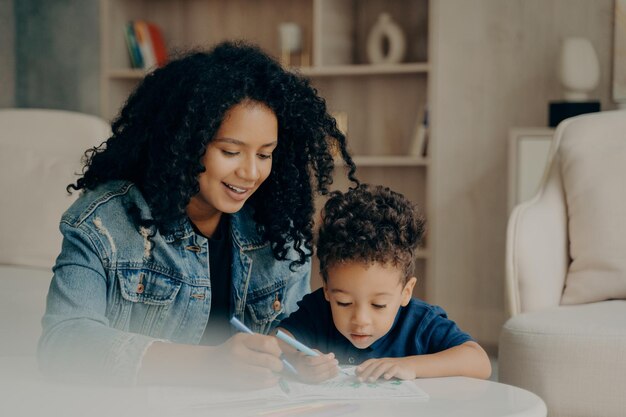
162 132
369 224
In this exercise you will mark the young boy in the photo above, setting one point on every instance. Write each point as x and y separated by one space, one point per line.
364 314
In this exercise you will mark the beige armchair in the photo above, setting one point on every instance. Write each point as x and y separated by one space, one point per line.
566 275
40 152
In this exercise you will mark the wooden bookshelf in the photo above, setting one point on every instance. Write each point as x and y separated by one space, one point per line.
383 103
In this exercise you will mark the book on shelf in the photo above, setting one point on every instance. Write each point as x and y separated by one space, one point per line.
136 60
142 33
146 46
419 142
158 44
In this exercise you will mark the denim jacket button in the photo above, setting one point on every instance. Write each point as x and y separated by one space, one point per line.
276 305
140 288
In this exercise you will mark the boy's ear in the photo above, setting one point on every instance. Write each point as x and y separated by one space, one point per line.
325 291
407 291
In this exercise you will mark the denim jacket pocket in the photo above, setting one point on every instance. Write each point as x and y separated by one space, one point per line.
265 307
148 287
146 297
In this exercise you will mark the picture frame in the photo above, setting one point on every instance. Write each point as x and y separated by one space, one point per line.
529 151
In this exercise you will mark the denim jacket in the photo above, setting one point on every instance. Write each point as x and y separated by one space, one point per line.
114 291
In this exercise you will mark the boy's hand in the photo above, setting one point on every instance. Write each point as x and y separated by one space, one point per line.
387 368
314 369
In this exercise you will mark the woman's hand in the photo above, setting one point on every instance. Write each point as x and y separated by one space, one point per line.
247 361
387 368
314 369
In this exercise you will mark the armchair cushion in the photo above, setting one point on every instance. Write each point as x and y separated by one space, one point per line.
593 177
572 356
22 304
40 153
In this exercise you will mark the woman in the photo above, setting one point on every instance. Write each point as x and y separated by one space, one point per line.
198 208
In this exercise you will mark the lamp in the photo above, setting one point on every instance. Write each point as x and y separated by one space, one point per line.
579 73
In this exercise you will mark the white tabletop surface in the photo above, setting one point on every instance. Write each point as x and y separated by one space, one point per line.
23 392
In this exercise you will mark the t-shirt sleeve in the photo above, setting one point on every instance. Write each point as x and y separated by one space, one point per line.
307 323
437 332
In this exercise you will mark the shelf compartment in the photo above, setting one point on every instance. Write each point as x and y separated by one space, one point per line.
382 111
341 28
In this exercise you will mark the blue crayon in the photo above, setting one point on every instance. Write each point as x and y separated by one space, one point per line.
300 346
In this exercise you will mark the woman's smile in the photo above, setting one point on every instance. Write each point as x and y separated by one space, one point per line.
237 193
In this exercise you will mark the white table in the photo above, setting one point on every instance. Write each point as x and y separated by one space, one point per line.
23 392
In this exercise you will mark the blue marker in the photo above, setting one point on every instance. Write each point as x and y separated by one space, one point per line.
300 346
295 344
243 328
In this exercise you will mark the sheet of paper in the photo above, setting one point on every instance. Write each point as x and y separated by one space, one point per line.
342 387
347 387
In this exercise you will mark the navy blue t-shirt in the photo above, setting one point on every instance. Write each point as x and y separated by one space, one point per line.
419 328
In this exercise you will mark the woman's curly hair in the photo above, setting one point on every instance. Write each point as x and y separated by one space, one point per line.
369 224
162 132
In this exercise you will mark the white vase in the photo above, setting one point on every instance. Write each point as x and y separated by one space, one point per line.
385 31
290 40
579 69
290 35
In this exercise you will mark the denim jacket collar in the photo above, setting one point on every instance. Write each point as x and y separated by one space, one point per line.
243 230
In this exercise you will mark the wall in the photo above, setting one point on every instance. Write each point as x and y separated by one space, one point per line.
7 54
57 54
494 68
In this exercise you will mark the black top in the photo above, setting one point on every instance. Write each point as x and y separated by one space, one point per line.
218 326
419 328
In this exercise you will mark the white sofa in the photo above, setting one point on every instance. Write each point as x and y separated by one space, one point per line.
40 152
566 275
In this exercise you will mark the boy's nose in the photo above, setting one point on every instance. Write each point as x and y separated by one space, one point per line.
360 317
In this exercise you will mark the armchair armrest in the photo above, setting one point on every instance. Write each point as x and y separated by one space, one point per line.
537 254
